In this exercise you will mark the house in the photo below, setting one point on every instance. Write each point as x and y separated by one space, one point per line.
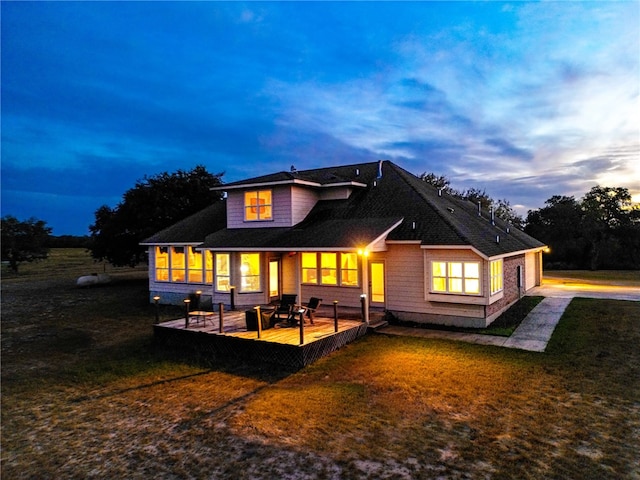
371 233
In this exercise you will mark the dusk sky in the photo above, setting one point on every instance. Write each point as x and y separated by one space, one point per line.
524 99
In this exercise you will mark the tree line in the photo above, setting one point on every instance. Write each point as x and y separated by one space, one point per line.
599 231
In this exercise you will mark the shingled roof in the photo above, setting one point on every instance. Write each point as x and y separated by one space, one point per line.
193 229
397 205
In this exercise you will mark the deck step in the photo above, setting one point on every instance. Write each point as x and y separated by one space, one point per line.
376 324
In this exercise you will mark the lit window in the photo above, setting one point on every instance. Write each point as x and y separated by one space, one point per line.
208 266
162 264
455 277
496 276
178 265
329 268
250 272
195 265
349 269
223 278
257 205
309 267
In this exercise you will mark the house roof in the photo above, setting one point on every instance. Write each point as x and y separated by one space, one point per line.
397 206
193 229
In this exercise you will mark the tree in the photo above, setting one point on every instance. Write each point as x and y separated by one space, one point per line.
607 213
439 181
602 230
559 225
153 204
24 241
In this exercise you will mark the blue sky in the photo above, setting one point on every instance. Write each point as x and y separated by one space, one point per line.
524 99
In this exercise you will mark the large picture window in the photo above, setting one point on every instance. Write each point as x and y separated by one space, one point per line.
250 272
257 205
455 277
329 268
223 272
496 268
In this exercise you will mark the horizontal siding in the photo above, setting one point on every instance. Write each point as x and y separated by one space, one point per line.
281 204
336 193
235 209
301 202
289 274
530 267
405 278
406 281
346 297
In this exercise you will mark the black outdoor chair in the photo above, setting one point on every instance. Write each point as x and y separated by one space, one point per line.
311 307
285 305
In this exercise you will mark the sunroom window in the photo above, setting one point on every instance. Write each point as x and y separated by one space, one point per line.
182 264
257 205
455 277
250 272
208 266
223 277
162 264
195 265
177 264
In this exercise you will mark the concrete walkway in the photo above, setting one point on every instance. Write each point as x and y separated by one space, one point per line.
532 334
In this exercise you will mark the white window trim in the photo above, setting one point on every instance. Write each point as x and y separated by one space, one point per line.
170 269
215 272
463 278
257 206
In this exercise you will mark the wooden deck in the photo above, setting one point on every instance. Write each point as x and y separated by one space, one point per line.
278 345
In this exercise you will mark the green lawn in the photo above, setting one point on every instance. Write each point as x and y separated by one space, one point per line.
85 394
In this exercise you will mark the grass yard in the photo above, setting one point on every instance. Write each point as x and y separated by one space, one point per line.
85 394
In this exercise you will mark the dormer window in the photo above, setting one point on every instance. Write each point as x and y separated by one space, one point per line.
257 205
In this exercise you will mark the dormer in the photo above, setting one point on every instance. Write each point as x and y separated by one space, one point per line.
283 199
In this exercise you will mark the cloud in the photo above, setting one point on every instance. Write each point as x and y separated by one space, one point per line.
524 99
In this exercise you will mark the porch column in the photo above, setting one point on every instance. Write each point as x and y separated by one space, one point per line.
364 296
298 273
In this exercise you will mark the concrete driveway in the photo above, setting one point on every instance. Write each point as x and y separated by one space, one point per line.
568 288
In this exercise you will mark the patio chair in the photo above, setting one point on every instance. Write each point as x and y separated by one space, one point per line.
311 307
285 305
